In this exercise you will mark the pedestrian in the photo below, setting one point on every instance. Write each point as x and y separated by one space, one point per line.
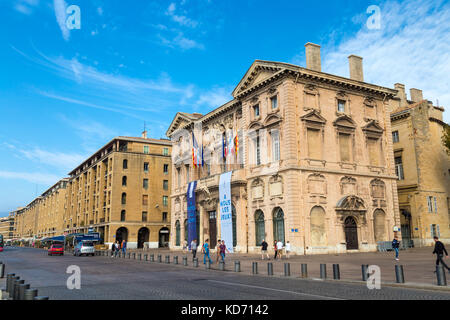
185 248
116 252
223 248
264 246
124 247
113 249
194 248
218 251
205 250
275 249
280 249
439 250
395 246
288 249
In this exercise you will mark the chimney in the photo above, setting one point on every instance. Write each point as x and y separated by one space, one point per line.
401 93
416 95
312 52
144 134
356 68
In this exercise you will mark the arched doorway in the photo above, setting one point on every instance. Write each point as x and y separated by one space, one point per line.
212 215
351 233
186 231
177 233
379 225
278 225
122 234
163 237
260 231
143 236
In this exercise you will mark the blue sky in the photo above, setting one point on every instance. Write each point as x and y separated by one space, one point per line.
65 93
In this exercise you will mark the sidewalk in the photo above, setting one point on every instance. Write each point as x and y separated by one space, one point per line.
418 264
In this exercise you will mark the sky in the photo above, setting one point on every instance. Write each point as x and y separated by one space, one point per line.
69 85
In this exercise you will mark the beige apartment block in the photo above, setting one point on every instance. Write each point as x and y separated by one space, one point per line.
7 227
314 167
122 191
423 167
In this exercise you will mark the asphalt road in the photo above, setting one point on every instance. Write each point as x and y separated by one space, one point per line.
106 278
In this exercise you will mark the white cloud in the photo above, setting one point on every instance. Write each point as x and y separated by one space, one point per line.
33 177
182 20
412 47
214 98
60 7
25 6
100 11
180 41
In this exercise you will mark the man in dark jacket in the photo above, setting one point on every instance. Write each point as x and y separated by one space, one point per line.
439 250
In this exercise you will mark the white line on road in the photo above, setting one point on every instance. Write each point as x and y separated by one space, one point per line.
279 290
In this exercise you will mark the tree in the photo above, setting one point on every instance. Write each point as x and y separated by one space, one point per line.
446 138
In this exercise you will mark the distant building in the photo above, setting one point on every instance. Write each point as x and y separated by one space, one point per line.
422 166
7 227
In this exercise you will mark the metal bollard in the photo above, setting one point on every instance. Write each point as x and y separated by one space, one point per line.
221 266
208 264
40 298
364 273
196 262
269 268
22 288
2 270
323 271
255 267
185 261
167 259
287 269
129 255
440 274
304 270
336 272
159 258
399 277
9 276
30 294
139 256
152 258
15 294
237 266
175 260
11 285
134 256
146 257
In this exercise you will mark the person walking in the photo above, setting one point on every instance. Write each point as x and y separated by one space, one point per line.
223 248
205 250
439 250
275 249
194 248
124 247
395 246
280 249
264 246
288 249
113 249
218 251
117 249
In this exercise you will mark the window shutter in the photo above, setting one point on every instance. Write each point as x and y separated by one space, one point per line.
431 230
435 205
437 231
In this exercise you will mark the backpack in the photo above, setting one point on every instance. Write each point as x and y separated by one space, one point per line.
395 243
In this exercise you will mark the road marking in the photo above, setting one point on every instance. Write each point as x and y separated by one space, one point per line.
278 290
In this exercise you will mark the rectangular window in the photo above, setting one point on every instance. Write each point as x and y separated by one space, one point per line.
256 111
166 184
164 216
144 216
188 177
344 146
145 200
166 151
399 168
145 184
178 177
314 145
165 201
166 169
275 146
395 137
435 205
430 204
341 105
274 102
258 150
374 155
145 166
146 150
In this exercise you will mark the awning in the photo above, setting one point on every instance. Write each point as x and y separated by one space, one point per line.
57 238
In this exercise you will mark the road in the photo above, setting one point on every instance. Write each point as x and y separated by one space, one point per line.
106 278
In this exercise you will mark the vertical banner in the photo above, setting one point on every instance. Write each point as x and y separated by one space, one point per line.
191 208
226 220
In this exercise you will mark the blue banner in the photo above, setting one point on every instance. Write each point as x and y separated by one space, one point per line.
191 208
226 219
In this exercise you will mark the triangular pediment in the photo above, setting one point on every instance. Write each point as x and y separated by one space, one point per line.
345 121
313 116
373 127
180 120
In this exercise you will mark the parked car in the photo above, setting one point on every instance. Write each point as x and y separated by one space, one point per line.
56 248
84 247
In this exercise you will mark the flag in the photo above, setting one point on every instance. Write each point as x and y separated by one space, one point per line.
224 146
236 143
230 149
194 151
203 160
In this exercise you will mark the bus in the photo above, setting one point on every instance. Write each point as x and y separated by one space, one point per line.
1 243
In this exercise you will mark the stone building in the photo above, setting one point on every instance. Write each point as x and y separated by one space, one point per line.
423 167
7 227
314 164
122 192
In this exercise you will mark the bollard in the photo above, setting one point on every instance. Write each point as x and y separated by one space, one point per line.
134 256
364 273
440 274
30 294
146 257
196 262
221 266
185 261
399 278
22 288
287 269
40 298
304 270
237 266
129 255
2 270
175 260
323 271
269 268
208 264
255 267
11 285
336 272
152 258
167 260
8 280
159 258
15 294
139 256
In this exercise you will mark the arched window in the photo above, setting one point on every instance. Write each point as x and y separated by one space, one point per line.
125 164
233 217
186 231
278 225
122 215
177 233
318 228
124 198
124 181
260 231
378 225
